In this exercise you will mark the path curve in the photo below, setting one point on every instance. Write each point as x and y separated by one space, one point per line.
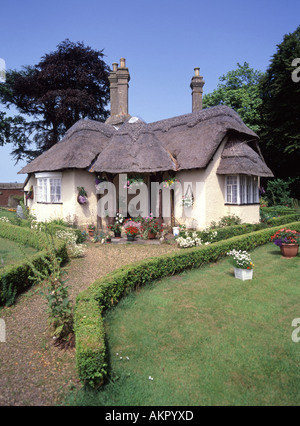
32 370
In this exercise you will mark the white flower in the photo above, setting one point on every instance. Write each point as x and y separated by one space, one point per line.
150 378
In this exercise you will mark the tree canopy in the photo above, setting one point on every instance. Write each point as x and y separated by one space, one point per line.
280 111
239 89
66 85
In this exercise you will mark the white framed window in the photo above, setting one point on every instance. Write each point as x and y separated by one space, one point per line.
231 189
49 188
241 189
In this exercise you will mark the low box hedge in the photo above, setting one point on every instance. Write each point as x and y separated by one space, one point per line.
14 279
244 228
107 291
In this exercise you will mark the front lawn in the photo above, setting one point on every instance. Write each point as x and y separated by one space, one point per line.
8 213
10 252
206 338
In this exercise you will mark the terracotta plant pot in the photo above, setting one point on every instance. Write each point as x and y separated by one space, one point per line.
151 235
289 250
91 232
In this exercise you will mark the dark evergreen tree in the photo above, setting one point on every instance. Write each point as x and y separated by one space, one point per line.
66 85
280 112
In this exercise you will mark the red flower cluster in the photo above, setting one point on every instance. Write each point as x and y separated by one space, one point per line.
285 236
132 230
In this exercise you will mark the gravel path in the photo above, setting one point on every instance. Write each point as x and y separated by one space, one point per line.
32 370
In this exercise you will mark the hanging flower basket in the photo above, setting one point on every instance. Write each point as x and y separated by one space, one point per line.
82 195
29 195
169 182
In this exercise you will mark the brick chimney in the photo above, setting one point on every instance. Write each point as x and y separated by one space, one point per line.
119 78
197 84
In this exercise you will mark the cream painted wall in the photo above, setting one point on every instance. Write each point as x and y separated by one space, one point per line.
69 209
209 197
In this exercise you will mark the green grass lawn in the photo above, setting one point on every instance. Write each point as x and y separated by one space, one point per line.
10 252
207 338
9 214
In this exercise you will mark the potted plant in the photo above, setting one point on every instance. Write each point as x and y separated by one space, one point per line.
288 241
82 195
91 229
108 238
152 226
131 232
116 228
243 266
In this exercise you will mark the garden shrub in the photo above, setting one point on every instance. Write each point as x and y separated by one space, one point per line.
107 291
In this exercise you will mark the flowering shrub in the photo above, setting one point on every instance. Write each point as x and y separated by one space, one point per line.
74 249
191 239
241 259
116 227
150 224
285 236
4 219
195 238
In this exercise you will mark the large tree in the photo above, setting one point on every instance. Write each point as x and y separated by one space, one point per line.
280 111
239 89
66 85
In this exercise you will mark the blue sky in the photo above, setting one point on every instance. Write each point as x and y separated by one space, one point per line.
162 41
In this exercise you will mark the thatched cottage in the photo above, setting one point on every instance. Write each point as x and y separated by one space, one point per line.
211 153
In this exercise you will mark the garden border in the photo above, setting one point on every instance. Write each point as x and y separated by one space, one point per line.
106 292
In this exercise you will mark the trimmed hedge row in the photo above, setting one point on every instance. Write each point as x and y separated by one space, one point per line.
107 291
14 279
244 228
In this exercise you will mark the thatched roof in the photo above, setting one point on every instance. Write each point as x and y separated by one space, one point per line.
179 143
238 158
194 138
134 148
78 149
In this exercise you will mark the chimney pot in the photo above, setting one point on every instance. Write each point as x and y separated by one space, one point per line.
115 66
197 84
122 63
